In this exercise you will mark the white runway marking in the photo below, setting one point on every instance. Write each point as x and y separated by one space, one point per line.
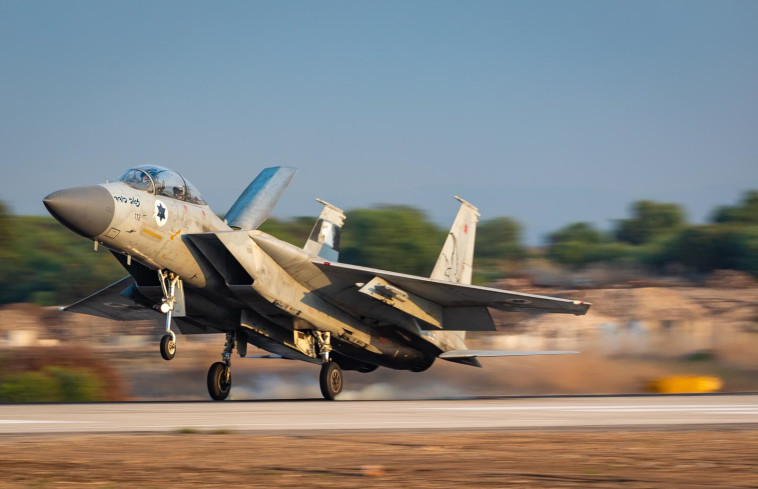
35 421
545 413
736 408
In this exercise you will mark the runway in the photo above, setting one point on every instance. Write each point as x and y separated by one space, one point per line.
489 414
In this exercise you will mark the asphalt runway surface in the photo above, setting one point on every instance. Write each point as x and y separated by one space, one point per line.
480 414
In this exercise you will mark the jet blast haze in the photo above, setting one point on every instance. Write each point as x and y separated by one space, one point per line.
207 275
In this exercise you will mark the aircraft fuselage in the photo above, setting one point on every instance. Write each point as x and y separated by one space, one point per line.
151 230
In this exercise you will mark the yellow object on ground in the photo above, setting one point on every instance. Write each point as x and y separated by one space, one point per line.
684 384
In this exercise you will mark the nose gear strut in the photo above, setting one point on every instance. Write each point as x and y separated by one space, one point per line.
169 281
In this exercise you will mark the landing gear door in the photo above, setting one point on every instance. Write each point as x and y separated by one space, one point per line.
180 307
305 342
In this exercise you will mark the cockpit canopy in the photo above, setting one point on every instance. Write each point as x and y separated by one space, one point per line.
162 181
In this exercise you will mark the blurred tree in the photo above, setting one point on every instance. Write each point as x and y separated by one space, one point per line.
396 238
650 220
294 231
6 232
582 232
744 213
499 238
48 264
712 247
52 384
574 244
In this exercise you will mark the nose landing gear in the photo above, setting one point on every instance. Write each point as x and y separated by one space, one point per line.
169 281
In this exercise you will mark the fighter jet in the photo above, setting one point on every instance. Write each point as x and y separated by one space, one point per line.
204 274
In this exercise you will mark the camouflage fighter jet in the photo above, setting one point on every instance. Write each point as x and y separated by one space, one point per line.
208 275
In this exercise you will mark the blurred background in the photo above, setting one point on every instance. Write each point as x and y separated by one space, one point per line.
609 146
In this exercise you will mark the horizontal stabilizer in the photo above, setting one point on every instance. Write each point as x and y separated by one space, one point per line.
259 198
470 357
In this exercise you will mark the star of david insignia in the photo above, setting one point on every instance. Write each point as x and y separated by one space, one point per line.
160 213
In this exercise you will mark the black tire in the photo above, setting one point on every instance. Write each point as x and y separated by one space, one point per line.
330 380
168 347
219 384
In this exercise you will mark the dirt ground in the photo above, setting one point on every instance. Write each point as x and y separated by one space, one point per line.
605 459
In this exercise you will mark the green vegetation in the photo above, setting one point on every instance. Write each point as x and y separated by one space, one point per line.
62 374
51 384
43 262
295 231
499 239
744 213
658 235
392 238
650 221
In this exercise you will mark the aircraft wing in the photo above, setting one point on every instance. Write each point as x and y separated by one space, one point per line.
114 302
449 294
387 297
443 305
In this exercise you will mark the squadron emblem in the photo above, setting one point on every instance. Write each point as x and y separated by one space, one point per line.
160 212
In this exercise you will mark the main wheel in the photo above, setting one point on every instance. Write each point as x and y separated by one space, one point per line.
330 380
219 381
168 347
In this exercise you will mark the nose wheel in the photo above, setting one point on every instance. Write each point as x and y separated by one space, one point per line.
168 347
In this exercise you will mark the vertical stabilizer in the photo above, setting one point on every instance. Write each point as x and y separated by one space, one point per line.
324 240
259 198
455 263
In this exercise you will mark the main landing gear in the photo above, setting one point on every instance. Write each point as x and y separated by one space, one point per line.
169 280
330 379
220 373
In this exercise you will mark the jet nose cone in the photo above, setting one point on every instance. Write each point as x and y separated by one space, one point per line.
85 210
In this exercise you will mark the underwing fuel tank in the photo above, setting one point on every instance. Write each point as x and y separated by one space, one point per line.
87 211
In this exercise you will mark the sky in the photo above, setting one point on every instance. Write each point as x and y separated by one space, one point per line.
550 112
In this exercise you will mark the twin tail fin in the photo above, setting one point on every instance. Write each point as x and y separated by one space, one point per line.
324 240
